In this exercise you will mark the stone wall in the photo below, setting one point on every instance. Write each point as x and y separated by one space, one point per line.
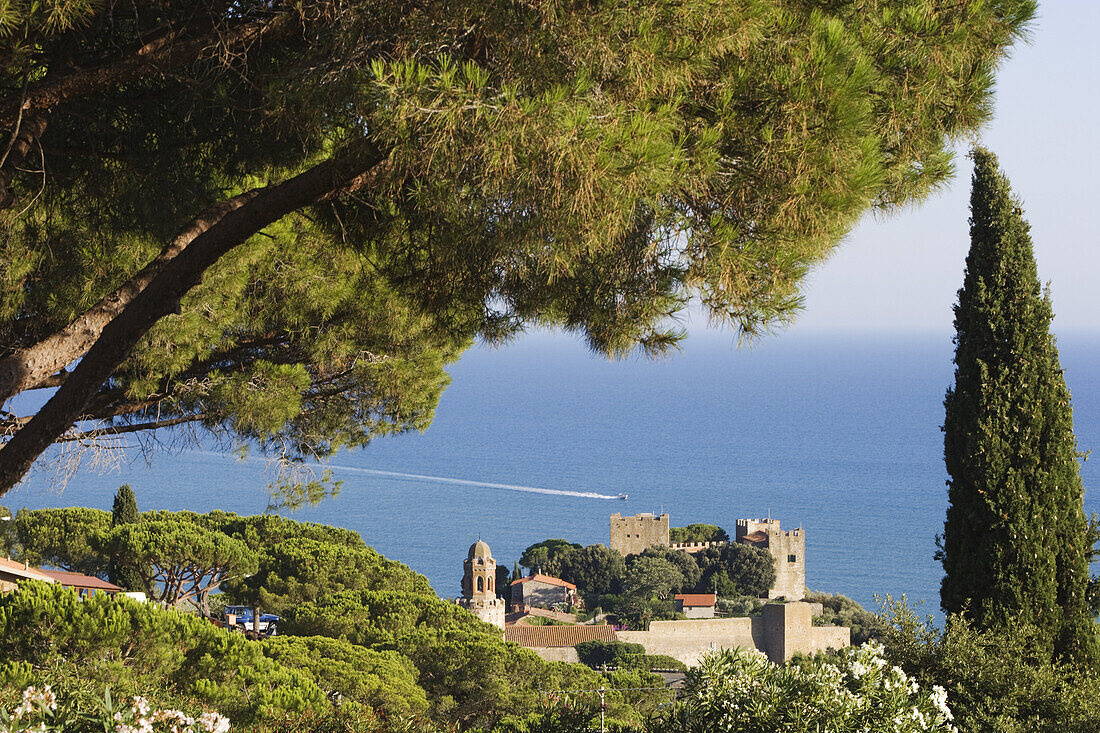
557 653
534 593
688 641
824 638
783 630
632 535
490 611
696 546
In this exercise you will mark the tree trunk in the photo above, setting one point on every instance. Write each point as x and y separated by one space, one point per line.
162 295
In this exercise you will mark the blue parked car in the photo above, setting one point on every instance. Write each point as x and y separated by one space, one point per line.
243 619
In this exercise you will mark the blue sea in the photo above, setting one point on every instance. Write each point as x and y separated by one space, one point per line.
837 434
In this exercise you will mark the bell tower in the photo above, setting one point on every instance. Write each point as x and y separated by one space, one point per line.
479 577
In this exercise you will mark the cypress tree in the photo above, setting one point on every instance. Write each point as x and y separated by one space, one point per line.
1016 541
124 511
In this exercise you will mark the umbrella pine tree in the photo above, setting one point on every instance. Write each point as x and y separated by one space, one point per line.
1015 546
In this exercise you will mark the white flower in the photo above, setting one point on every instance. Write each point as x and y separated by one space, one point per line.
939 699
140 706
214 723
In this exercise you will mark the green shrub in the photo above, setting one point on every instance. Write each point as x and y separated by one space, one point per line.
139 649
662 662
612 653
1000 680
853 691
741 606
843 611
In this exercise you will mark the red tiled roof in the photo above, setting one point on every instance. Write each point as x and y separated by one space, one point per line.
77 580
697 599
549 636
22 570
755 537
545 579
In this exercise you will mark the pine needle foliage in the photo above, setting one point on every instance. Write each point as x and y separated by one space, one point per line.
495 166
1016 541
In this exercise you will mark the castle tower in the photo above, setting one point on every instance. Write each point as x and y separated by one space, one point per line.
788 551
632 535
479 593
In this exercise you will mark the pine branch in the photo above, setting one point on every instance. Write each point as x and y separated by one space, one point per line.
211 236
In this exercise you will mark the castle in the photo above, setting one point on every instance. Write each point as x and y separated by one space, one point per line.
479 594
632 535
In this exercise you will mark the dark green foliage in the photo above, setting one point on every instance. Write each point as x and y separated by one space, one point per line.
383 680
843 611
125 511
64 538
377 618
177 557
587 166
351 720
636 611
741 606
263 531
299 570
611 653
1001 679
698 532
501 581
543 557
138 648
472 677
623 655
594 569
684 562
736 570
653 577
125 508
662 662
1015 544
9 540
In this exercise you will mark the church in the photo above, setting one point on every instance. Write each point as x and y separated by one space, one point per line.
479 593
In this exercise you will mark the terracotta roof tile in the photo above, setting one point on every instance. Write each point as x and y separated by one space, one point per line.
551 636
21 570
755 537
697 599
78 580
545 579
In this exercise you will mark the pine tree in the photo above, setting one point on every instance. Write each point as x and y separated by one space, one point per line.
1016 541
279 221
124 511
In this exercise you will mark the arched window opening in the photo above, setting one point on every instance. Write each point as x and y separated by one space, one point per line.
480 585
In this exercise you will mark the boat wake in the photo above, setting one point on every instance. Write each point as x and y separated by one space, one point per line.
433 479
466 482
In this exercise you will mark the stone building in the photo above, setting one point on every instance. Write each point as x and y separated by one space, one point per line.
479 595
788 550
632 535
12 573
542 590
696 605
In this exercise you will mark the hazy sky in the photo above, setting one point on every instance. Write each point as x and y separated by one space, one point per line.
903 273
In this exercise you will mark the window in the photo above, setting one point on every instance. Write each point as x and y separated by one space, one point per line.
792 558
480 585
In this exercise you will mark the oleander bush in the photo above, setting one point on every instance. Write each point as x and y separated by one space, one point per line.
853 691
